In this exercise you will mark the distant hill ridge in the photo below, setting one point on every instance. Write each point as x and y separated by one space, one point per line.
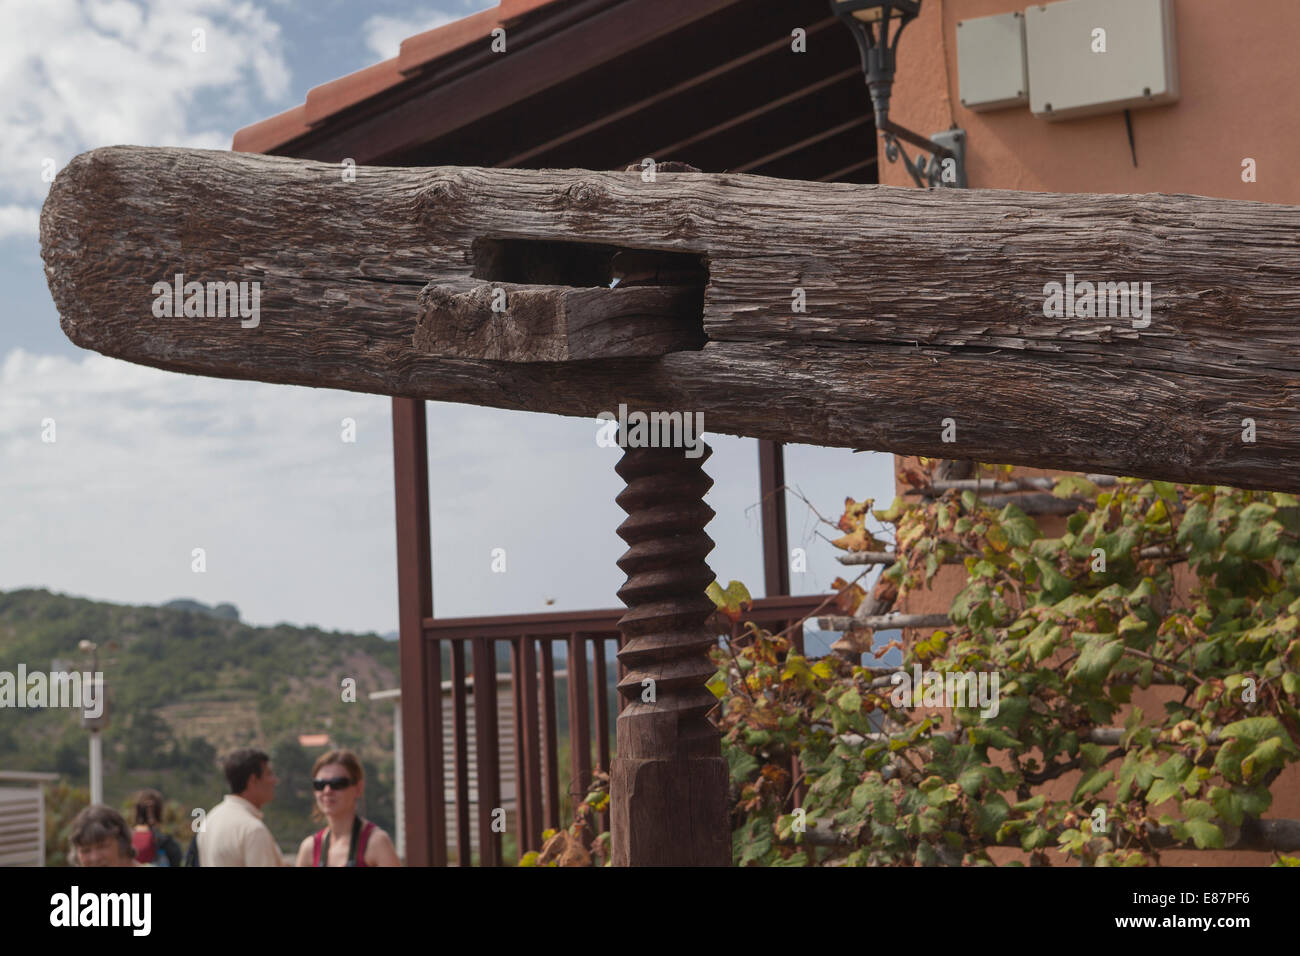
188 663
224 611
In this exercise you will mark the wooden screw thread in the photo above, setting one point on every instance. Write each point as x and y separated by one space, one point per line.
667 640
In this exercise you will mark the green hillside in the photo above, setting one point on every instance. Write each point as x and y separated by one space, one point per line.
187 683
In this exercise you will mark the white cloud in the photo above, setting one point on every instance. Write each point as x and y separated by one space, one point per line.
76 75
116 16
384 34
147 465
19 221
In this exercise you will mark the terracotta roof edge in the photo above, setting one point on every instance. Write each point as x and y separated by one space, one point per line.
337 95
423 48
267 134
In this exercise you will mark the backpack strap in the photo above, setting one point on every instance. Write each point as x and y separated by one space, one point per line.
318 858
352 844
323 846
368 829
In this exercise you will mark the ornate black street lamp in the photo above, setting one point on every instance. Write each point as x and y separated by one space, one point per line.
869 21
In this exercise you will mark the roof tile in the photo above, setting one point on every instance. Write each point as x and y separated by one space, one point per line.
513 9
424 47
420 49
337 95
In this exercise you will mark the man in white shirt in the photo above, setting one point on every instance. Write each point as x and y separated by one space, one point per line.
233 833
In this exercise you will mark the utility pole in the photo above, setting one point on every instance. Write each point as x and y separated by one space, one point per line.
96 725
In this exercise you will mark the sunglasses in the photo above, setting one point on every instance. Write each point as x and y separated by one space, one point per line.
336 783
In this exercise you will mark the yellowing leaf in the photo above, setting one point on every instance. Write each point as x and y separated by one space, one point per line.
733 601
1069 485
997 538
858 540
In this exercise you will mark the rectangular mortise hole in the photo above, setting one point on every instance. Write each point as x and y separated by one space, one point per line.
592 265
582 264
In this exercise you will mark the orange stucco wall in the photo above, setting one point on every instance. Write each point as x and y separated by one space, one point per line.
1239 76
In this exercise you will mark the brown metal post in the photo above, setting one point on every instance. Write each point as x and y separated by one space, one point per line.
771 490
530 785
601 702
520 730
668 786
579 722
776 549
421 665
550 748
488 741
460 732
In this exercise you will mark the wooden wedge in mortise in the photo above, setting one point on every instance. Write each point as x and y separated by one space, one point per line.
505 322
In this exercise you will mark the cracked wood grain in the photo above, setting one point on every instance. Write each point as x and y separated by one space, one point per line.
921 305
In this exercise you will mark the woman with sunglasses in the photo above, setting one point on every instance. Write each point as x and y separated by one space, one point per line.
347 839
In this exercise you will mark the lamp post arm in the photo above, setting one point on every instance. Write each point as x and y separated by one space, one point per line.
916 139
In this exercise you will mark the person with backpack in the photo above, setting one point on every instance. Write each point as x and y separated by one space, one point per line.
347 839
151 844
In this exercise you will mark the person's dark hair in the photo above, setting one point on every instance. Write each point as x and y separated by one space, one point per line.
97 823
148 808
242 765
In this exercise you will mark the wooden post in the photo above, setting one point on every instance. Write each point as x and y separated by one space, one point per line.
668 785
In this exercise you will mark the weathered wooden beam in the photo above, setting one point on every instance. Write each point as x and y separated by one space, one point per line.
920 306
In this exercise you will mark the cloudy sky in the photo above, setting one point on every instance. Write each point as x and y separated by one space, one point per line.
296 524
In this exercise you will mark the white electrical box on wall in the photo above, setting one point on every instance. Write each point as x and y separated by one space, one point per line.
991 69
1100 56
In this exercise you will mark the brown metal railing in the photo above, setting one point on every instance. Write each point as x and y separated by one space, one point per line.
531 639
